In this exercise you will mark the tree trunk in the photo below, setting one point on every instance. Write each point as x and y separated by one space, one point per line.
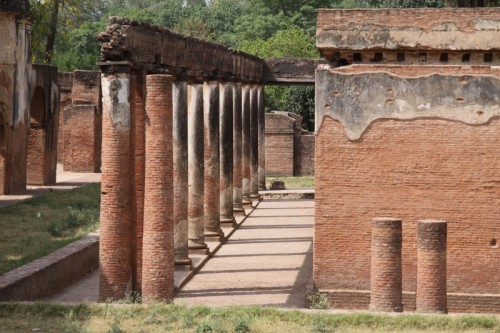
51 38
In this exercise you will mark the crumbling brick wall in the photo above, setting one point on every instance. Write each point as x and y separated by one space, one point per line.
289 151
82 123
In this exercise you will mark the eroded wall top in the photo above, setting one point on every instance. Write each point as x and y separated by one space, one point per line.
415 29
160 50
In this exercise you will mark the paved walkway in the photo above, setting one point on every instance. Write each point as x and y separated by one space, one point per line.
267 261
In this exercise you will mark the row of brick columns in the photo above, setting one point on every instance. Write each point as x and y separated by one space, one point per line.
386 266
180 158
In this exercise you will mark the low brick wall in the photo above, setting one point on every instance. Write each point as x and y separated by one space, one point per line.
52 273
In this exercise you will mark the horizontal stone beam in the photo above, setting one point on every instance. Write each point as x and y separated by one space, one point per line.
290 71
426 29
161 50
357 99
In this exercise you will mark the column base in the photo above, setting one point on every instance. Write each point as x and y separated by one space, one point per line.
229 222
246 202
239 210
198 248
256 197
184 264
214 235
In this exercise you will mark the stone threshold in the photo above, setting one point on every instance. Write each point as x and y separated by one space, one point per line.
288 194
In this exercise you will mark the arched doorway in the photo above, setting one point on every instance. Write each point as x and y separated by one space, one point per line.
36 138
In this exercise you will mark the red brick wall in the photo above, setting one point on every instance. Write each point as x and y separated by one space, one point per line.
424 168
280 144
82 128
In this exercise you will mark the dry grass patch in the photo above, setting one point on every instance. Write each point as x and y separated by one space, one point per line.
114 318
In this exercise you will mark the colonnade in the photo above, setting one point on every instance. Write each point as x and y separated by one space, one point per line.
180 158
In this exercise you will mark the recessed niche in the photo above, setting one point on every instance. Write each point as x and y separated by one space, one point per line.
466 57
488 57
443 57
493 242
400 56
378 57
356 57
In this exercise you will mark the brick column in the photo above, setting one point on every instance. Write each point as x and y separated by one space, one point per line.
226 154
180 169
158 256
237 150
196 236
254 143
213 231
246 146
115 256
431 267
262 137
386 276
137 149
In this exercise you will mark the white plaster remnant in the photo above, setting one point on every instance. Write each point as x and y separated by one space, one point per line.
474 102
115 99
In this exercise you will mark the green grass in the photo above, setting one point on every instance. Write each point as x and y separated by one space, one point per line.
292 182
108 318
64 216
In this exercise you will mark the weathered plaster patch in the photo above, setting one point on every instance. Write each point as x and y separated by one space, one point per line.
358 100
23 75
115 100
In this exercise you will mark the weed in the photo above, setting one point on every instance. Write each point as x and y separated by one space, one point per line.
204 328
242 327
318 301
53 230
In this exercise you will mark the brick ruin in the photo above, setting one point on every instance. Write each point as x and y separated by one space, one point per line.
407 126
79 144
28 106
289 149
156 82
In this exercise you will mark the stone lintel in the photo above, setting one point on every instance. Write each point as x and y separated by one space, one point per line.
426 29
357 98
151 46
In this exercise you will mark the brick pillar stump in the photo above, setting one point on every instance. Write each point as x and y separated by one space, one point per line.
431 267
246 146
213 232
386 270
262 137
115 248
237 150
226 154
254 143
180 169
158 256
196 234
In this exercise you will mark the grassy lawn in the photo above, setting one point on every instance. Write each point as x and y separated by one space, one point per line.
36 227
292 182
172 318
